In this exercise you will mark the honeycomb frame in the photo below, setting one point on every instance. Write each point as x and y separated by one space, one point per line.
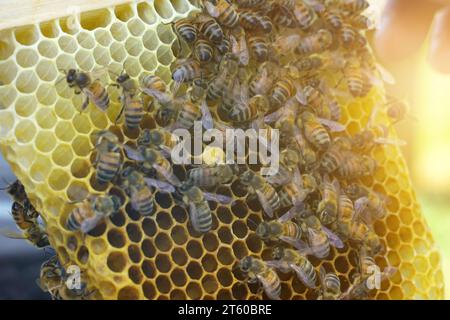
48 143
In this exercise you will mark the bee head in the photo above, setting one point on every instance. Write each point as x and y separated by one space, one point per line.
326 217
247 176
16 207
186 185
123 78
263 230
245 264
71 75
43 242
156 137
117 203
144 138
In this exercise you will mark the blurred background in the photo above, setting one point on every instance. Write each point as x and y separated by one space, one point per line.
427 152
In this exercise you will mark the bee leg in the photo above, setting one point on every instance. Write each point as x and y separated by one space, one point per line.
120 113
85 104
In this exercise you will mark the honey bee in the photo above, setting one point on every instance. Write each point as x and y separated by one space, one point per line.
267 196
314 131
136 187
360 233
160 138
51 277
224 46
212 30
224 11
186 71
153 82
305 15
258 271
263 80
228 70
355 6
282 90
253 21
17 191
361 22
397 109
197 201
197 93
281 16
347 35
212 176
32 230
314 99
109 158
346 213
330 286
132 106
307 64
250 3
291 260
93 90
370 208
203 51
186 30
334 156
88 213
372 136
289 161
356 166
258 105
319 238
328 206
239 47
356 191
283 229
153 159
333 18
315 43
259 48
353 75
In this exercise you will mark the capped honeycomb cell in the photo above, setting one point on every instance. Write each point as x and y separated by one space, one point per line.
48 141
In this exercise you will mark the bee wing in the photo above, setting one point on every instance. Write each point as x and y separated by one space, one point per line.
12 234
275 115
288 215
239 48
193 215
302 248
134 200
385 74
168 175
212 9
162 97
89 224
360 205
264 203
334 239
395 142
207 119
217 198
316 5
160 185
301 96
276 264
98 73
302 276
332 125
132 153
388 272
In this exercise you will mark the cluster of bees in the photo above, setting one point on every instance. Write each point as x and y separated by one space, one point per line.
261 64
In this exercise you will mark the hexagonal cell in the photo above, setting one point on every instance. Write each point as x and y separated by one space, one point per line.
46 94
25 105
67 44
136 27
179 235
98 246
40 169
92 20
180 6
179 256
46 118
6 45
8 72
27 81
128 293
164 9
150 40
45 141
102 56
119 31
133 46
147 13
47 49
163 284
25 131
164 55
84 59
163 242
58 180
116 261
116 238
7 96
86 40
27 35
62 155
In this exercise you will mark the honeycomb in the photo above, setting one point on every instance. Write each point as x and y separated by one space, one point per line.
48 143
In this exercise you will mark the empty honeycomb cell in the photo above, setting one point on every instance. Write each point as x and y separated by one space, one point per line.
135 274
46 118
48 49
116 238
393 222
148 249
240 229
225 277
136 27
81 146
27 81
83 255
380 228
128 293
25 105
119 31
116 261
394 258
421 247
392 204
147 13
254 243
225 256
209 263
98 118
405 234
40 169
225 235
148 268
353 127
84 59
419 229
118 219
149 227
59 179
82 124
180 6
133 46
194 291
7 97
46 94
6 45
421 264
178 277
80 168
393 240
64 131
164 9
46 70
103 37
62 155
164 73
134 253
27 35
102 56
165 34
118 52
49 29
163 284
25 131
162 263
124 12
179 256
406 216
406 252
67 44
150 40
54 206
240 250
72 243
148 61
149 290
86 40
8 72
194 249
133 65
164 55
134 233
